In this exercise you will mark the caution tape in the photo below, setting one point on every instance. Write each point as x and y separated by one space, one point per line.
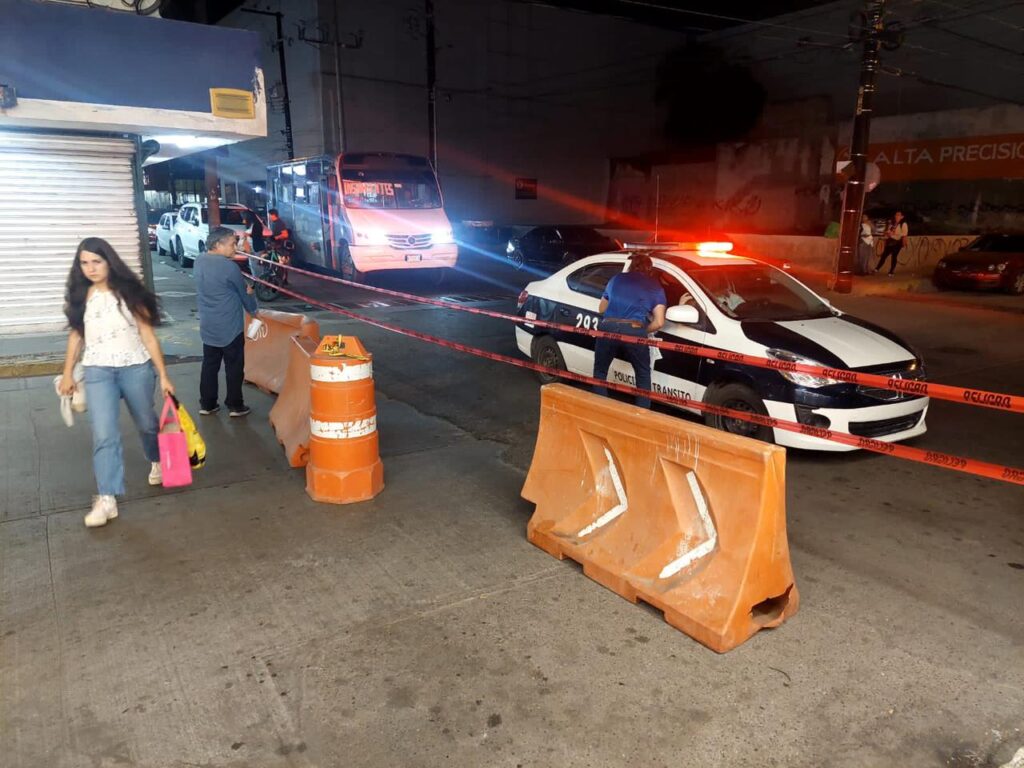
979 397
933 458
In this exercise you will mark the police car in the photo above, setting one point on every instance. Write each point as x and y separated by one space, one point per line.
737 304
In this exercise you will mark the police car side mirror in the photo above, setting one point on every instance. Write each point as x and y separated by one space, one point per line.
687 315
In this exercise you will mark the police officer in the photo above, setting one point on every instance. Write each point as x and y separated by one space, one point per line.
633 304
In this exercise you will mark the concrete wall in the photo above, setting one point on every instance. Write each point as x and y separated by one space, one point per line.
247 161
523 91
816 256
779 180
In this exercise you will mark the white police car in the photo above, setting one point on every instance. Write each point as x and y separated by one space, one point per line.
737 304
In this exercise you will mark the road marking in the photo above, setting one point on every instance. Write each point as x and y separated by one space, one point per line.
703 549
620 492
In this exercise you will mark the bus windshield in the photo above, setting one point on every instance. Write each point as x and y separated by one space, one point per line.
383 189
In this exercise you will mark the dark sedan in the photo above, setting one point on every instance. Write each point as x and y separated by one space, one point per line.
992 262
557 246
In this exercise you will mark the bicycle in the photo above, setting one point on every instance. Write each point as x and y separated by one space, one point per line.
272 274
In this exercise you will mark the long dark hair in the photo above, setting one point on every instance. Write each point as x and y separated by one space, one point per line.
125 284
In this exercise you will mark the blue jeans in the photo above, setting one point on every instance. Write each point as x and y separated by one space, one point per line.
104 388
637 355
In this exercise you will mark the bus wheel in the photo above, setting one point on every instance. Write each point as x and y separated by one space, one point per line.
348 267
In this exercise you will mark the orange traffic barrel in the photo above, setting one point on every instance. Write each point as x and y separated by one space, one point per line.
344 457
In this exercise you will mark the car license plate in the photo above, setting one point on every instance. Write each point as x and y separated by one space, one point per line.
414 257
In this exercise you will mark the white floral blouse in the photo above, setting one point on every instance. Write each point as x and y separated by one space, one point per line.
111 333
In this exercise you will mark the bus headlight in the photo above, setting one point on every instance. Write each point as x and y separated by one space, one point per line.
798 377
442 237
372 237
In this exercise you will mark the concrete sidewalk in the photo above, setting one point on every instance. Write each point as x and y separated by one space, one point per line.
236 623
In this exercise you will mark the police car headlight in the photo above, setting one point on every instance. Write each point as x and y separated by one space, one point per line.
797 377
510 248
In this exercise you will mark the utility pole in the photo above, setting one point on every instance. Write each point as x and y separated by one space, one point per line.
853 195
212 183
431 85
279 44
338 82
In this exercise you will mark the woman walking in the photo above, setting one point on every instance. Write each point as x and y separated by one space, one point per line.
112 314
895 239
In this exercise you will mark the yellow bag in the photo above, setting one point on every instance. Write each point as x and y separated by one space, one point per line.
195 442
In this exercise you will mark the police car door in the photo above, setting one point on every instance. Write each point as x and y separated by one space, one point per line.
676 373
578 306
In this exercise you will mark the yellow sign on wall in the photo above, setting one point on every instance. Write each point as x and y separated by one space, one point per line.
232 103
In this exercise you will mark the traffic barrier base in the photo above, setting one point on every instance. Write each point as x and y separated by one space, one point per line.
266 357
344 456
686 518
290 414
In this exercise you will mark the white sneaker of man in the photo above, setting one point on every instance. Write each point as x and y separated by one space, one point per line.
104 508
156 474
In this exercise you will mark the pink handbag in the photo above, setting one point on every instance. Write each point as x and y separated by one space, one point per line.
174 461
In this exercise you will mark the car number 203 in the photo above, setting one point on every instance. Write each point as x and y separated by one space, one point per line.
586 321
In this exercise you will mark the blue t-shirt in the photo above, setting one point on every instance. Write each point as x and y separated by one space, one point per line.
633 296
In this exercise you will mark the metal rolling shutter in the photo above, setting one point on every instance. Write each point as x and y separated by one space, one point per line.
54 191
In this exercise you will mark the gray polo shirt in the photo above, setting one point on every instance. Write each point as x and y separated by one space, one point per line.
221 299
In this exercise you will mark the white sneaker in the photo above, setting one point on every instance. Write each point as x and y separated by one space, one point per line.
65 404
156 475
104 508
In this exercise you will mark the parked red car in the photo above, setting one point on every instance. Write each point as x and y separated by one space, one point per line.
992 262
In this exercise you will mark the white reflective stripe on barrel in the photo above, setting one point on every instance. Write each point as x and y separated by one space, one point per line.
335 373
342 430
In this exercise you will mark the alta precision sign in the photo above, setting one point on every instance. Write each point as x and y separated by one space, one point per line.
971 157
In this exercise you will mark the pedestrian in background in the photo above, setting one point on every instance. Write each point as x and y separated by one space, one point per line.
222 297
633 304
895 238
866 246
111 313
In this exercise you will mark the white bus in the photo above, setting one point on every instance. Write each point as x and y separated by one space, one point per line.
388 215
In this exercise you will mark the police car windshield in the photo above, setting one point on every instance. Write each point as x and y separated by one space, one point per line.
758 292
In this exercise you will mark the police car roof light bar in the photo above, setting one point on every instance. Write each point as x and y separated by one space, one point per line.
707 248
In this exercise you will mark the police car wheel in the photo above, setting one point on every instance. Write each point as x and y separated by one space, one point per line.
546 352
738 397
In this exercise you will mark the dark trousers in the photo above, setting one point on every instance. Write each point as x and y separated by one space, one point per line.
233 356
637 355
891 251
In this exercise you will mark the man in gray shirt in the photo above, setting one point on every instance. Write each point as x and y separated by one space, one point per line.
223 297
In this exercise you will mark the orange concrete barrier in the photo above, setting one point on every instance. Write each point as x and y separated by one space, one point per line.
290 414
344 457
266 357
686 518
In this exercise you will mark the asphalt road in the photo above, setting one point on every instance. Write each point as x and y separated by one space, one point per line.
237 623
